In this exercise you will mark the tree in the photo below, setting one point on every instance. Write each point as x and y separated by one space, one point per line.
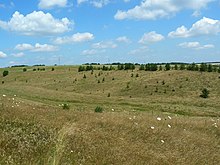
176 67
81 68
205 93
182 67
141 67
167 66
210 68
203 67
5 73
24 69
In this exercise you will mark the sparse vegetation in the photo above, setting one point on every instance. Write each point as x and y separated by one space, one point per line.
142 116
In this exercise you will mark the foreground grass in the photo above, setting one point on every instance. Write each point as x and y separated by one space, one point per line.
139 125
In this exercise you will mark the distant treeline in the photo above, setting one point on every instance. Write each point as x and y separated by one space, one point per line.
17 66
203 67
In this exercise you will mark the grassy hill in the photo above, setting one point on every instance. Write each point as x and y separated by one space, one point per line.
35 129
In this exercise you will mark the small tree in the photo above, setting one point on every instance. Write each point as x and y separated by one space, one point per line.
24 69
167 67
5 73
99 109
205 93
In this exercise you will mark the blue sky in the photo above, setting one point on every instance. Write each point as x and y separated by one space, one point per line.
81 31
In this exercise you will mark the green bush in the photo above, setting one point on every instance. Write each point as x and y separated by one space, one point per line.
24 69
205 93
99 109
65 106
5 73
52 69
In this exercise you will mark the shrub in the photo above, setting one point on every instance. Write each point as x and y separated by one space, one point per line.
99 109
109 94
5 73
52 69
84 76
167 67
65 106
205 93
34 69
24 69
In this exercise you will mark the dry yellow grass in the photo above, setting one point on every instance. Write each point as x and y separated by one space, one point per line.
34 129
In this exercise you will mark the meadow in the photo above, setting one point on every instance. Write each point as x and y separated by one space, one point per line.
48 117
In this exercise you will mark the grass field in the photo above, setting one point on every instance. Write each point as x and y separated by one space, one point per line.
148 118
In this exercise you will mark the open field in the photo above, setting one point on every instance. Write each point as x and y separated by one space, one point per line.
35 129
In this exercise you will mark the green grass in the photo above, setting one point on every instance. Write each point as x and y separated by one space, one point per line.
35 129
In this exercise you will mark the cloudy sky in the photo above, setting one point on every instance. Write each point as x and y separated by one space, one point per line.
80 31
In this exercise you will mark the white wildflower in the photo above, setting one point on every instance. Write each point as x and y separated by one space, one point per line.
169 126
14 95
113 110
158 118
162 141
152 127
4 95
169 117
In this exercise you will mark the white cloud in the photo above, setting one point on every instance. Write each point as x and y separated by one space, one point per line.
154 9
2 54
93 51
151 37
140 50
196 13
123 39
21 54
36 23
36 48
24 47
95 3
104 45
48 4
78 37
205 26
195 45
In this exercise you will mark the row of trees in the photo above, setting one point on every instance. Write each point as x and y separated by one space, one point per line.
203 67
91 68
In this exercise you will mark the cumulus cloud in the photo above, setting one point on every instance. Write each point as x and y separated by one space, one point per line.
2 54
205 26
104 45
93 51
195 45
123 39
95 3
151 37
36 48
21 54
36 23
154 9
78 37
48 4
